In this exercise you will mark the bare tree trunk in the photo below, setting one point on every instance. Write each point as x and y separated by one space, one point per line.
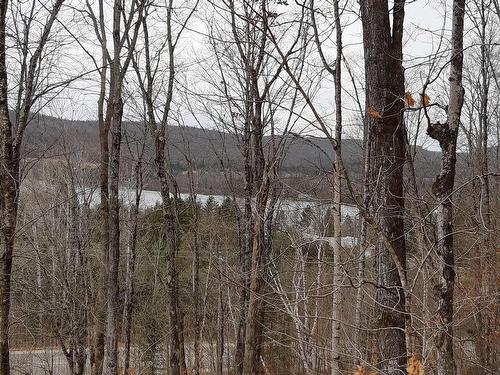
9 213
170 230
114 112
76 353
128 304
195 270
362 245
488 253
111 341
169 216
219 364
182 348
11 139
245 246
170 235
384 105
9 178
442 188
251 361
337 207
113 261
97 351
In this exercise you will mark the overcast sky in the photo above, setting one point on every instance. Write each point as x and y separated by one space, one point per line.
424 21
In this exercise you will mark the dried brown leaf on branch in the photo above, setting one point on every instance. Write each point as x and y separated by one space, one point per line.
373 113
414 366
425 99
409 101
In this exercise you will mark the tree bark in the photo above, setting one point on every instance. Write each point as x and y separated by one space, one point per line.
362 246
251 360
195 271
337 191
11 139
113 260
128 304
384 79
219 363
446 134
97 351
487 252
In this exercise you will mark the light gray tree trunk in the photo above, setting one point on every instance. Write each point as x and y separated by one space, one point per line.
337 214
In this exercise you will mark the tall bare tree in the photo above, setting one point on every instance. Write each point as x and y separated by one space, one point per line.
12 132
384 81
251 94
446 134
125 30
133 219
154 61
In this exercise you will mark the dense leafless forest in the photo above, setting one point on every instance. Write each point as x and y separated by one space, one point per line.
249 187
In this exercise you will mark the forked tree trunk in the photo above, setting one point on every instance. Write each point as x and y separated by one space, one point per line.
384 104
442 188
118 67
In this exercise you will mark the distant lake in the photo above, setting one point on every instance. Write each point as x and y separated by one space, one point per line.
292 207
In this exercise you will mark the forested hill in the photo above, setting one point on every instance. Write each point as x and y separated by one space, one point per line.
50 137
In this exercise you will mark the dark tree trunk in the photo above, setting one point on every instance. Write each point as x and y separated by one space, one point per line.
170 230
253 325
111 342
171 243
245 246
97 351
11 139
113 260
384 103
9 172
442 188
